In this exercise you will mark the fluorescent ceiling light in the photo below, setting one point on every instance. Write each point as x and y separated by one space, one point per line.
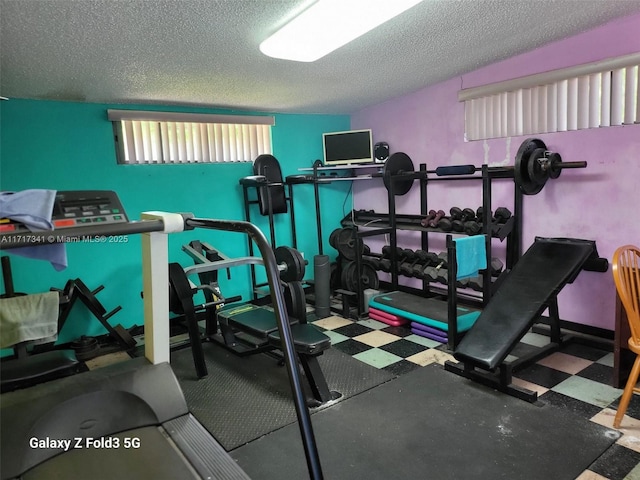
329 24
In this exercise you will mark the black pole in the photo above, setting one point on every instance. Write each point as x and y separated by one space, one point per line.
316 192
273 277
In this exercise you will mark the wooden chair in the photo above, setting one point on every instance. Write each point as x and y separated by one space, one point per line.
626 274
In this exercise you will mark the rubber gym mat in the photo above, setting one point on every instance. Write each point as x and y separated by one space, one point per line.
431 424
429 311
244 398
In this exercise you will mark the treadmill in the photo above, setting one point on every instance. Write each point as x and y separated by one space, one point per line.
130 420
124 421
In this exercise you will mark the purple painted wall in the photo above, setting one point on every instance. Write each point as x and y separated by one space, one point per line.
601 202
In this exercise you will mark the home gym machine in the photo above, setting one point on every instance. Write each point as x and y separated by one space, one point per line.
247 328
154 227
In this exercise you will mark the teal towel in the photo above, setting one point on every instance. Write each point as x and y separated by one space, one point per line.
471 255
28 317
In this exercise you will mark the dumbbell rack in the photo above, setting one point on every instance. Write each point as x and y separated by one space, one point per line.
510 231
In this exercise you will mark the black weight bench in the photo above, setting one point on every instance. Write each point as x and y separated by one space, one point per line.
529 289
260 324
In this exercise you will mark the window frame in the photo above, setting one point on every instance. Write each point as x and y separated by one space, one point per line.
217 138
593 95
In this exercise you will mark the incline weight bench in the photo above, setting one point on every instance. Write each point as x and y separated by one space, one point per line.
528 290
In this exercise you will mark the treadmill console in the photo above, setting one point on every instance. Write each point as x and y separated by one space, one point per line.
78 208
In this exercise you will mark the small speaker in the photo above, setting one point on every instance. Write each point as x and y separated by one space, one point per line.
381 152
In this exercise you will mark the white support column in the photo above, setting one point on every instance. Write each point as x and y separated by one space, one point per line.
155 285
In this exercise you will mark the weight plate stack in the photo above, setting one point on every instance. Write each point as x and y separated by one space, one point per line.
345 243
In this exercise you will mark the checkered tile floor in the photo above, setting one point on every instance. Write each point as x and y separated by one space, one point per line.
577 378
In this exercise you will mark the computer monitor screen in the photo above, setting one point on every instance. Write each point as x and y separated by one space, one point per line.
343 148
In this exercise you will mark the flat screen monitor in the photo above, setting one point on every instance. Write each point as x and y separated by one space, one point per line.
343 148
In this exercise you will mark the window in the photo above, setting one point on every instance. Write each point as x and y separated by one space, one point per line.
594 95
164 137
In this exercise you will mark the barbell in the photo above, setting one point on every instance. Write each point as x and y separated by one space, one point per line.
291 264
533 166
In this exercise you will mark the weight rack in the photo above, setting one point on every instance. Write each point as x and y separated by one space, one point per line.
395 222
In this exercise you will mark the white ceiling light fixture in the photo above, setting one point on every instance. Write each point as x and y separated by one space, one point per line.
329 24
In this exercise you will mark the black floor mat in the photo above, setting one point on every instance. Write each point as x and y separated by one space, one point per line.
431 424
245 398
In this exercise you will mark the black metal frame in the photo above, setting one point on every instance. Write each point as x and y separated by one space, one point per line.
511 232
501 378
272 233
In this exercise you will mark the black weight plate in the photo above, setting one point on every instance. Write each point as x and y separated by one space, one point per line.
333 236
554 161
348 276
345 243
537 172
397 164
521 170
295 301
368 277
180 292
293 262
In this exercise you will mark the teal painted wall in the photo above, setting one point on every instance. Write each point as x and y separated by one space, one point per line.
69 146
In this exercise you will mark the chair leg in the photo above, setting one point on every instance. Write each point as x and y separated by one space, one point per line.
628 391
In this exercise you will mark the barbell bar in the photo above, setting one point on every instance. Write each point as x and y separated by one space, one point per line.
534 165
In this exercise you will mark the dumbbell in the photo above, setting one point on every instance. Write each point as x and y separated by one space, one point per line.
436 274
462 214
472 227
385 262
406 268
459 217
502 215
445 224
425 259
385 265
496 267
412 259
430 216
432 219
402 256
374 261
441 260
476 283
480 215
400 253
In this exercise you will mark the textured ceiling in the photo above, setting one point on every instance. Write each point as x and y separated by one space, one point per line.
205 52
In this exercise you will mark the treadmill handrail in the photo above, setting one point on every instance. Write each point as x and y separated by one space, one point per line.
71 235
273 278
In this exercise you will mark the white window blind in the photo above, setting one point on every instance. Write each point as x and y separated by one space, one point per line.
600 94
166 137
